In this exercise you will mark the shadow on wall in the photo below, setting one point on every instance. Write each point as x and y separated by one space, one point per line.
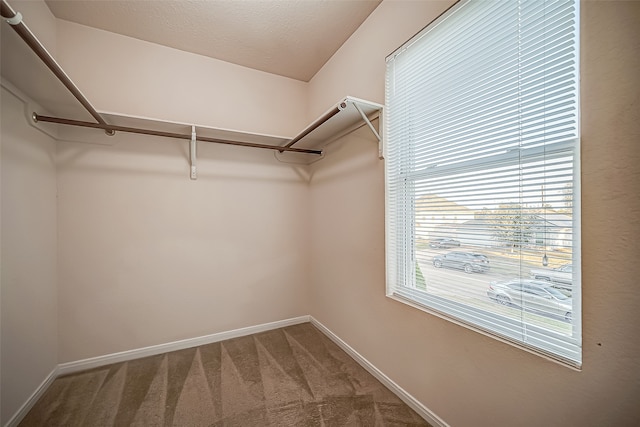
345 157
146 155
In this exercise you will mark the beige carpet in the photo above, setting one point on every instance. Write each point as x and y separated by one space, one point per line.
293 376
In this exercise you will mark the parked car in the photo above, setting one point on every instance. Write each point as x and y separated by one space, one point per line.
562 275
532 295
443 243
468 261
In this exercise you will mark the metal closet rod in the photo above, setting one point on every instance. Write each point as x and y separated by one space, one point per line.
107 127
317 124
15 20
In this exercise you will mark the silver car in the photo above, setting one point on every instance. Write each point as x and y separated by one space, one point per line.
532 295
562 275
470 262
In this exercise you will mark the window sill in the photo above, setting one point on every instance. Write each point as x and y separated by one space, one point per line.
409 300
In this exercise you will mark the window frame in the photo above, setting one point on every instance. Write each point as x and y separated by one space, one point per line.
483 321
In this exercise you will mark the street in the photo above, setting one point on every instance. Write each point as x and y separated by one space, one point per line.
448 281
472 289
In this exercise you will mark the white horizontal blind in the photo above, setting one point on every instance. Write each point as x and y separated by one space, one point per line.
482 131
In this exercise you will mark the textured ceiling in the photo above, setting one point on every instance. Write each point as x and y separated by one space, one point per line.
292 38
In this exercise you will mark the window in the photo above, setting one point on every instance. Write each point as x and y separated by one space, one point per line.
482 172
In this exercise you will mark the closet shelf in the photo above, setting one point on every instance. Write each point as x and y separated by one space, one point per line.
347 115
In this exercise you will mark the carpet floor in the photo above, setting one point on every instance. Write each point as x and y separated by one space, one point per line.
292 376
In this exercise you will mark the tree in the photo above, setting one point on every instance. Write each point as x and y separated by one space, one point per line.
420 282
512 224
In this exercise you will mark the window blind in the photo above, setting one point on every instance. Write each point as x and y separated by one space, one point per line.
482 135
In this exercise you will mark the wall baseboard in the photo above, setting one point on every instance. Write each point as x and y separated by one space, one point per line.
411 401
96 362
37 394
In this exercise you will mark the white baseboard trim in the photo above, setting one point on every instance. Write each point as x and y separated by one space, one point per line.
413 403
96 362
37 394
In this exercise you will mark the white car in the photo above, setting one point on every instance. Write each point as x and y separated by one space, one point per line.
562 275
533 296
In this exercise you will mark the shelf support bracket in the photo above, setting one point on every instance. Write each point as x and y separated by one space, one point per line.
192 153
373 129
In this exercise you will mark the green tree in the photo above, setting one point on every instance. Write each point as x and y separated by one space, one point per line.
512 224
420 282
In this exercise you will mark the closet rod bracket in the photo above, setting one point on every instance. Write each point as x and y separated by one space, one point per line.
373 129
14 20
192 153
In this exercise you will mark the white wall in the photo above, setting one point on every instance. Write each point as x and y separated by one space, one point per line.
145 255
28 291
466 378
148 256
28 270
124 75
358 67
